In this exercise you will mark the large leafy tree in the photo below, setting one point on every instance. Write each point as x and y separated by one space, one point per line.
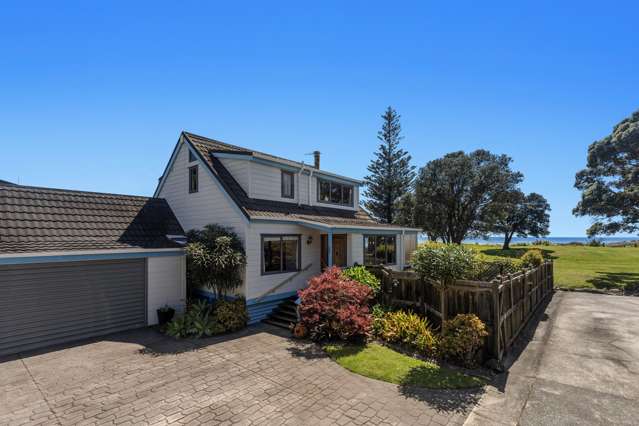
390 173
609 184
522 215
405 210
456 194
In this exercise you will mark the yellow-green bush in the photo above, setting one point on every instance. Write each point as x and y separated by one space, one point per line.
462 339
409 329
532 258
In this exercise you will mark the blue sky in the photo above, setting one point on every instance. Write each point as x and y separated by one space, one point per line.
94 94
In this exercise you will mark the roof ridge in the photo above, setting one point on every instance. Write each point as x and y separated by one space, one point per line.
211 140
15 187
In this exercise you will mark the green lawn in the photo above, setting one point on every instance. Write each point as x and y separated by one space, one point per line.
583 266
381 363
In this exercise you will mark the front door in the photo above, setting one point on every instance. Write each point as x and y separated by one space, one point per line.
339 250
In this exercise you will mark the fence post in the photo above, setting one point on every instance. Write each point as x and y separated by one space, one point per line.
443 305
496 318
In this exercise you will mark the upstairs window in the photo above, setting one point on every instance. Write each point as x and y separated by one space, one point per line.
288 185
334 193
280 253
192 158
193 179
380 250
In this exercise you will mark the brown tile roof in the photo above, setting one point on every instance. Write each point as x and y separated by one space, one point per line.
267 209
205 144
43 219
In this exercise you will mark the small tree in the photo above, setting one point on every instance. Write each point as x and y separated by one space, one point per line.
610 181
391 174
521 215
443 264
215 258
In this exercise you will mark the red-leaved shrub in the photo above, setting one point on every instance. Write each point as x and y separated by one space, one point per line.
334 306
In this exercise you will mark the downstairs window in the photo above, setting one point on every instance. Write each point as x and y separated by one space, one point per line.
280 253
380 250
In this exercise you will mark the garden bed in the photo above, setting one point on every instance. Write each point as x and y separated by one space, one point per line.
382 363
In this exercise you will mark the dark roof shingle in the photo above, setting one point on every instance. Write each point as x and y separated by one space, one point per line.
267 209
42 219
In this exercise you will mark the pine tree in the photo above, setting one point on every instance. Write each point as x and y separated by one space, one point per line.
391 174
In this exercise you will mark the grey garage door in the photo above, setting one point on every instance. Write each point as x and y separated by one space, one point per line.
49 303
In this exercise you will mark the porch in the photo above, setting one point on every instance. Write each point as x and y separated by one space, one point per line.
283 257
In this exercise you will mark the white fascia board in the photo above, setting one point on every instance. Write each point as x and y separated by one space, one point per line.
176 250
333 228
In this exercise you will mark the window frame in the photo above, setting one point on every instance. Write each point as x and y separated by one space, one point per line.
194 188
376 236
350 202
281 237
192 157
292 175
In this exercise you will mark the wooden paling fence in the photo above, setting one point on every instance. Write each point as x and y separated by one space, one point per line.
504 304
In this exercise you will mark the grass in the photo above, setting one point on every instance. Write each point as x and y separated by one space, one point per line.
584 266
379 362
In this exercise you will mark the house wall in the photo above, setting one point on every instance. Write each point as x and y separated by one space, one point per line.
263 181
405 248
355 246
241 171
410 245
209 205
166 280
256 283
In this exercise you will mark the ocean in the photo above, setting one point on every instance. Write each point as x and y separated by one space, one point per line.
554 240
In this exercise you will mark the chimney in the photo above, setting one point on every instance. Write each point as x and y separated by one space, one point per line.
316 155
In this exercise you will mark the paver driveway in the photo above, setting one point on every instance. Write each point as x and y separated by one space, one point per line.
255 377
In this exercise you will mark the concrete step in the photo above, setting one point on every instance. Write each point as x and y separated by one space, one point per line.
278 323
284 316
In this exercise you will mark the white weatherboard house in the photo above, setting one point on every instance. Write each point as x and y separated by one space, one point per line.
294 218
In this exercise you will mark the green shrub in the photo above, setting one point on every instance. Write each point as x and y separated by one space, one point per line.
378 312
409 329
215 259
231 315
485 268
462 339
443 263
204 319
532 258
596 243
541 243
363 276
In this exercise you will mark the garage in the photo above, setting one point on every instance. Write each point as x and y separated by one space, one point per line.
75 265
83 299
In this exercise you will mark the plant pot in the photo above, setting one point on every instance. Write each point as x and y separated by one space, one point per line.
165 315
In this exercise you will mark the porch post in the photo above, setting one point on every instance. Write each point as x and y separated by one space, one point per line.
329 249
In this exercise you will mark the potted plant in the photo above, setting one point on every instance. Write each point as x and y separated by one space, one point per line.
165 314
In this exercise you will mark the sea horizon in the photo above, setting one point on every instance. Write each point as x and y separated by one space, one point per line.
556 240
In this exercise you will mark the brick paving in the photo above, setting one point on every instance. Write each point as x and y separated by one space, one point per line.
258 376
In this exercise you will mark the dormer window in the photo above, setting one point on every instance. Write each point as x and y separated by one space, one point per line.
334 193
288 185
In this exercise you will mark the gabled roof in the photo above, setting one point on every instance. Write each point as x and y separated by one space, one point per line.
204 144
36 219
256 209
